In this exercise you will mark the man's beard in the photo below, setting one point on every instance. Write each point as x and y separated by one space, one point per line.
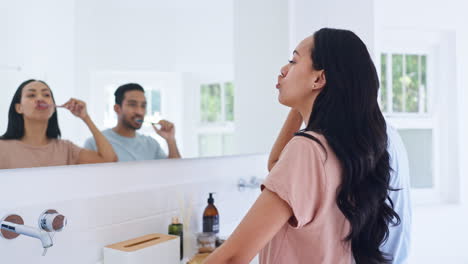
129 124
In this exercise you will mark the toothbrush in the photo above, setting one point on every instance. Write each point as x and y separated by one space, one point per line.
158 126
50 105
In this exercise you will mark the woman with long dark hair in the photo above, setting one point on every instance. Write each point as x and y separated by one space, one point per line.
325 199
33 135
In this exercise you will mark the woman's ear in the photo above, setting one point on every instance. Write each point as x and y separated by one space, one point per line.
320 80
18 109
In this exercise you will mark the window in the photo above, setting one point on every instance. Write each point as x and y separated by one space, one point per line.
419 145
404 101
413 67
216 129
404 83
211 103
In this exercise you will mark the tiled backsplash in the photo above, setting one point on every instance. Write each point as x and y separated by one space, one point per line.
109 203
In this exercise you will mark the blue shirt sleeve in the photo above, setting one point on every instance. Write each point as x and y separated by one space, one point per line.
398 244
157 150
159 154
90 144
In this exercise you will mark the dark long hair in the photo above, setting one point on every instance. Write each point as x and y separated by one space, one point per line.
347 113
15 129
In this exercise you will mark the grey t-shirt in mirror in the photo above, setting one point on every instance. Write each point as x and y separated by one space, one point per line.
140 147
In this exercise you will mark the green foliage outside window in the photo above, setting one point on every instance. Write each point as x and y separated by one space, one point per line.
211 103
229 100
212 98
397 67
411 83
408 83
383 82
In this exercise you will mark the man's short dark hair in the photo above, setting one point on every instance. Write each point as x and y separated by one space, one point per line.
120 92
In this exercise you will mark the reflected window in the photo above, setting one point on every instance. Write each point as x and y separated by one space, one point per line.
211 103
155 102
153 111
215 135
229 101
212 144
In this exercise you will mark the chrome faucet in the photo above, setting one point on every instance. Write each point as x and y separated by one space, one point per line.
21 229
254 183
12 226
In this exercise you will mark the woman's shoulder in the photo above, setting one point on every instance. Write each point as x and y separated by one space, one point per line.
316 135
311 137
64 143
9 146
311 141
8 142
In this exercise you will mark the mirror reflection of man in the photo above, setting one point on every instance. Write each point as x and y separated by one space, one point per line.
130 106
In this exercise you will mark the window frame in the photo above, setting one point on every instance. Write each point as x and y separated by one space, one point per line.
430 79
423 44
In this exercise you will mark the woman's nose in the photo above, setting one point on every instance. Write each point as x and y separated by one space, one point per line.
284 71
41 98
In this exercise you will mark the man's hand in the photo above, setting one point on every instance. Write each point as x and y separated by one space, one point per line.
167 130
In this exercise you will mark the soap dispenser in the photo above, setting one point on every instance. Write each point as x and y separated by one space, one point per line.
211 217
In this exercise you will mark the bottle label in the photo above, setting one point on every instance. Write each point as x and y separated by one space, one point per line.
211 224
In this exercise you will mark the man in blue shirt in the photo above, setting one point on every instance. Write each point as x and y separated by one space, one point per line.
397 245
130 106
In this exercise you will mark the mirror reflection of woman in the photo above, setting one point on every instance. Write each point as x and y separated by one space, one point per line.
33 135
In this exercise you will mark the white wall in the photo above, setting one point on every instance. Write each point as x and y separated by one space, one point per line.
306 17
109 203
261 48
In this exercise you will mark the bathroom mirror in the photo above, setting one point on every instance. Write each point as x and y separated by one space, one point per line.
208 66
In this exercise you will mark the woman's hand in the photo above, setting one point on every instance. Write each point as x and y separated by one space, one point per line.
77 108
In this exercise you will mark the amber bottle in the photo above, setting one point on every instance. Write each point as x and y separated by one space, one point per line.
211 217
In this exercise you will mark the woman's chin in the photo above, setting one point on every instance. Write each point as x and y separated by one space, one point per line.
39 117
283 101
